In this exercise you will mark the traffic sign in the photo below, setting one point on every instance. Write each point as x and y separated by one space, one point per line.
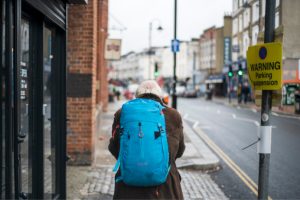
175 45
264 64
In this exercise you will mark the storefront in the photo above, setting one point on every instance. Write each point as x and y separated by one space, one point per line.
33 73
216 83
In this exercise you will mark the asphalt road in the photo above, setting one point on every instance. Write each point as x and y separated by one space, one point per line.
232 129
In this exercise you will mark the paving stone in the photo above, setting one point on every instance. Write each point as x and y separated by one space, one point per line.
91 189
97 189
194 184
105 187
103 191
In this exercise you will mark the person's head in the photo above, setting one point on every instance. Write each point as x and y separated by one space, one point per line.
246 84
240 85
148 87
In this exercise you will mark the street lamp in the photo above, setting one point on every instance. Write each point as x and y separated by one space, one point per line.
150 31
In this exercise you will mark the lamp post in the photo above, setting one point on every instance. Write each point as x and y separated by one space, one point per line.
150 31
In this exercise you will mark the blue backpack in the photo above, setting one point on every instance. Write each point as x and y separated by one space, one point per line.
144 153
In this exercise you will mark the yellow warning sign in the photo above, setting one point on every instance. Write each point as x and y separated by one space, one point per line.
264 63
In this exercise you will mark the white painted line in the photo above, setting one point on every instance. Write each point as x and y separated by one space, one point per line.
234 116
218 111
203 127
185 116
195 125
254 110
273 113
238 107
256 123
189 119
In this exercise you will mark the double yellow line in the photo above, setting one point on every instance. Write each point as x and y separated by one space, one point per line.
243 176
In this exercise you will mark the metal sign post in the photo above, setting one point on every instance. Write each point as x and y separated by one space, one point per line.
266 107
174 98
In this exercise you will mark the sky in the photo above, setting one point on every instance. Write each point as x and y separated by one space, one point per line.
193 17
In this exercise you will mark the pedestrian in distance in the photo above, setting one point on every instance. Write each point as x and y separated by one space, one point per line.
246 92
118 94
239 93
147 138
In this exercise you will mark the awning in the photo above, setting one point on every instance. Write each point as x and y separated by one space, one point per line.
215 79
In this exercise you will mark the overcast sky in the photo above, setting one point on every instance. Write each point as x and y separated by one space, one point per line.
193 16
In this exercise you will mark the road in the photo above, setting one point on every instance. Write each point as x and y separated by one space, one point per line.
227 130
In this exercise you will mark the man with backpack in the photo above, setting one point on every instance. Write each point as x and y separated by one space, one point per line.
147 138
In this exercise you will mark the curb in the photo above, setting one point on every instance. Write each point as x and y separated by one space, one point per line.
202 158
253 107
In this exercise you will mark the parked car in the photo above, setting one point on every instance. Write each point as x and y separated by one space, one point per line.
190 93
179 91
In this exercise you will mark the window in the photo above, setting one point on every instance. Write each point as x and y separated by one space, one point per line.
235 5
263 7
254 35
246 18
276 19
255 12
241 3
234 27
246 44
240 23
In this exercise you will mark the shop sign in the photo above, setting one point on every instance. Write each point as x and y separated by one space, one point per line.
227 50
236 48
264 64
112 50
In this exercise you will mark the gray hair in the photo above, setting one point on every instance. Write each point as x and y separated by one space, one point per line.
148 87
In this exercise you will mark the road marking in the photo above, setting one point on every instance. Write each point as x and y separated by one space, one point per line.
238 107
185 116
207 108
195 125
203 127
273 113
189 119
243 176
256 123
253 110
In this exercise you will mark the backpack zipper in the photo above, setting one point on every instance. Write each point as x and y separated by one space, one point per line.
141 135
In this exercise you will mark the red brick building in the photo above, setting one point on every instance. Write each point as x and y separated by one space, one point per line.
87 91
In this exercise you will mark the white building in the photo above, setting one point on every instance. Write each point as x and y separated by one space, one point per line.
141 66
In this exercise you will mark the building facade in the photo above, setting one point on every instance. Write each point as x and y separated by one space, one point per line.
141 66
248 21
215 51
33 81
87 92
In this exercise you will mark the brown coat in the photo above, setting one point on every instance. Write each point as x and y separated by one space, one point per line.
171 188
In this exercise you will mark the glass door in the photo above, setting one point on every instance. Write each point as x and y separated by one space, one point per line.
26 107
49 132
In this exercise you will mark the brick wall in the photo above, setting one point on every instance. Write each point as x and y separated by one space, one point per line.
85 62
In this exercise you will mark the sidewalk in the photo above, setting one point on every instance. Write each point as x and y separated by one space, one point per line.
287 110
97 181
